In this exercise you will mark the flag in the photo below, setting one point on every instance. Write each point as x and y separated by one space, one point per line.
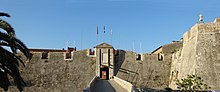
97 30
104 29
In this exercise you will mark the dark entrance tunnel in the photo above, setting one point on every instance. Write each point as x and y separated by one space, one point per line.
104 73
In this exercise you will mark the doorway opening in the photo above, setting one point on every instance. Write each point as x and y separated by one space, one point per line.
104 73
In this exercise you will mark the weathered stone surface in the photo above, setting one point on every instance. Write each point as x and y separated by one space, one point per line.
149 73
57 74
199 55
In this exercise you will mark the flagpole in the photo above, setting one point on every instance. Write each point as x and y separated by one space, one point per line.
70 44
119 40
81 40
133 47
74 44
97 32
111 35
119 43
140 48
66 44
104 34
126 43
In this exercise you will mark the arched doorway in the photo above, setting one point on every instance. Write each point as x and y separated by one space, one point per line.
104 73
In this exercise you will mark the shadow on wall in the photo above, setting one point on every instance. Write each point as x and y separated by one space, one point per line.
119 59
131 75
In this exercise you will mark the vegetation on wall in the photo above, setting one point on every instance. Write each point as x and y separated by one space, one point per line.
192 83
9 61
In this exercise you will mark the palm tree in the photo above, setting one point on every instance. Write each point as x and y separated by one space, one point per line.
9 61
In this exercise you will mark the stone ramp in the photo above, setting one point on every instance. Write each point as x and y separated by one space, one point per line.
116 86
107 86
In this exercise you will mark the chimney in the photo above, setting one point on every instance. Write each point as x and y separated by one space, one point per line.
217 20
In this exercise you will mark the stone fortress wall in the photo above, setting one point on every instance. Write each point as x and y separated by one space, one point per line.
200 54
57 74
153 71
197 53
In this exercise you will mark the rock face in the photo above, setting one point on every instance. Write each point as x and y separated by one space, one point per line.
56 74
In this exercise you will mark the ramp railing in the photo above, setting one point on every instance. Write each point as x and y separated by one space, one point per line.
126 85
90 85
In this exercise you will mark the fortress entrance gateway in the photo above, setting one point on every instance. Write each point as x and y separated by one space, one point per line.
104 61
104 73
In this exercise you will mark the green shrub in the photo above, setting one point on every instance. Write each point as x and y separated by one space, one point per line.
192 82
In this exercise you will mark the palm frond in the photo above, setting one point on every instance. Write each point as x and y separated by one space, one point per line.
11 67
7 39
9 62
23 48
4 81
7 27
4 14
15 44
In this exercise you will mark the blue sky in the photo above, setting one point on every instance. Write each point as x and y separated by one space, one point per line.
51 23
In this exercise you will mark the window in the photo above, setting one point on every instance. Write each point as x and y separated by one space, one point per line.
44 55
138 57
116 52
160 57
68 55
91 52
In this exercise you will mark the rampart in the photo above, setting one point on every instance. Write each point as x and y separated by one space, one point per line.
57 74
199 55
208 54
152 70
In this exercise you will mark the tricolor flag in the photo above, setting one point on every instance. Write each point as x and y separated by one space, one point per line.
104 29
97 30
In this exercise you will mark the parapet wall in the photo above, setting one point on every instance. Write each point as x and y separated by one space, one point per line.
124 84
149 73
56 74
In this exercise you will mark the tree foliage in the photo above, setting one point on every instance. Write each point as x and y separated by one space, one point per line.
9 61
192 82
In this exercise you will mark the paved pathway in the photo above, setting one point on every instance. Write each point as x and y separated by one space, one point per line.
107 86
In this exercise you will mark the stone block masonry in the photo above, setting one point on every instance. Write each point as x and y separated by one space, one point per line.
57 74
200 54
